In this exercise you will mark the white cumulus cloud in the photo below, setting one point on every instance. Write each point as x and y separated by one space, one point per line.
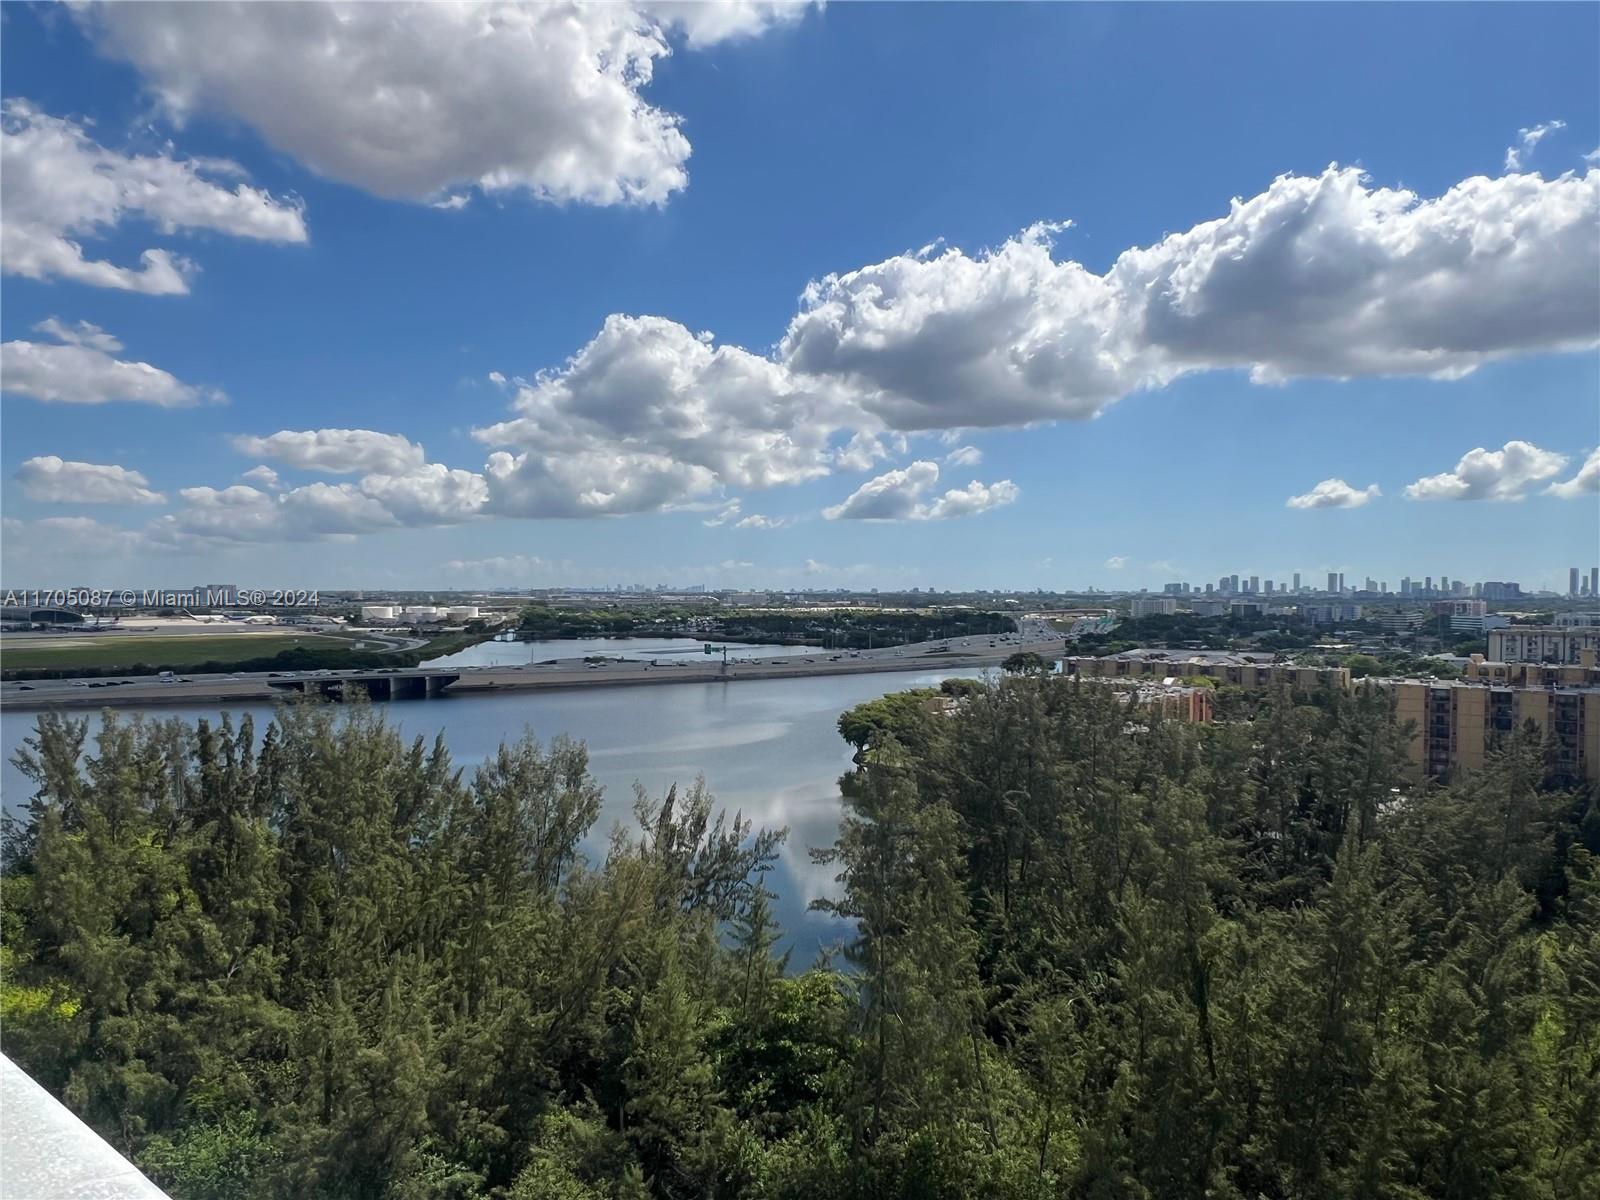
246 514
1326 276
81 367
759 521
971 500
899 496
964 456
432 494
1335 493
69 540
58 481
336 451
1585 483
1504 474
416 100
58 187
1527 139
649 415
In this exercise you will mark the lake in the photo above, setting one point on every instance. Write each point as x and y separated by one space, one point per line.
507 652
768 748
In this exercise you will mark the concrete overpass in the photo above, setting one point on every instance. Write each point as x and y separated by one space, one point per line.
375 685
422 683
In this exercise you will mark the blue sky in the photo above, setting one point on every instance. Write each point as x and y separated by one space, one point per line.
959 407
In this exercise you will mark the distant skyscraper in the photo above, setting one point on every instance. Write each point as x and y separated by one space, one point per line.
1333 581
1594 582
1572 582
1427 583
1255 584
1341 583
1297 581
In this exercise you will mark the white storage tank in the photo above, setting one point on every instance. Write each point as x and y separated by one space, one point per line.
377 612
463 612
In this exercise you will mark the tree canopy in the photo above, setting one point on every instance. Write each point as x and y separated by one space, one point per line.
1089 953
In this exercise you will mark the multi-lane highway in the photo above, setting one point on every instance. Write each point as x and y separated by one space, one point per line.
981 650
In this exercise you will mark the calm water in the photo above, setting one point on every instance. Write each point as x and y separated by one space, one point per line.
768 748
497 653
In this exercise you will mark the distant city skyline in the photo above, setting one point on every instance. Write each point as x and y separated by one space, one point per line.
774 304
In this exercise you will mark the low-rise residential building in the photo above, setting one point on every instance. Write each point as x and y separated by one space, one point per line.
1578 620
1153 606
1582 674
1541 643
1195 703
1329 614
1400 620
1481 623
1242 669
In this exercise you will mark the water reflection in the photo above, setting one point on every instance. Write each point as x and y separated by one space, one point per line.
769 748
509 652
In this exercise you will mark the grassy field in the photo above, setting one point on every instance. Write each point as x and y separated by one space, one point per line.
87 650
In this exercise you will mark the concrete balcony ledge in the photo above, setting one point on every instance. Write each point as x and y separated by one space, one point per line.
46 1153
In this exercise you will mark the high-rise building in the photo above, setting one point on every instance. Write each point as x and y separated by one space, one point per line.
1333 581
1233 583
1572 582
1297 581
1255 584
1594 581
1341 583
1269 587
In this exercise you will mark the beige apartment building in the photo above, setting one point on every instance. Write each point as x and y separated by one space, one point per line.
1242 670
1541 644
1534 674
1458 722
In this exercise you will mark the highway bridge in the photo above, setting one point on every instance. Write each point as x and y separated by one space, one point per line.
374 685
426 683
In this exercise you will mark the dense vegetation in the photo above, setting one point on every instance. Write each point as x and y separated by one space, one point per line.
547 621
1286 634
1096 955
328 653
1188 631
856 628
860 628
